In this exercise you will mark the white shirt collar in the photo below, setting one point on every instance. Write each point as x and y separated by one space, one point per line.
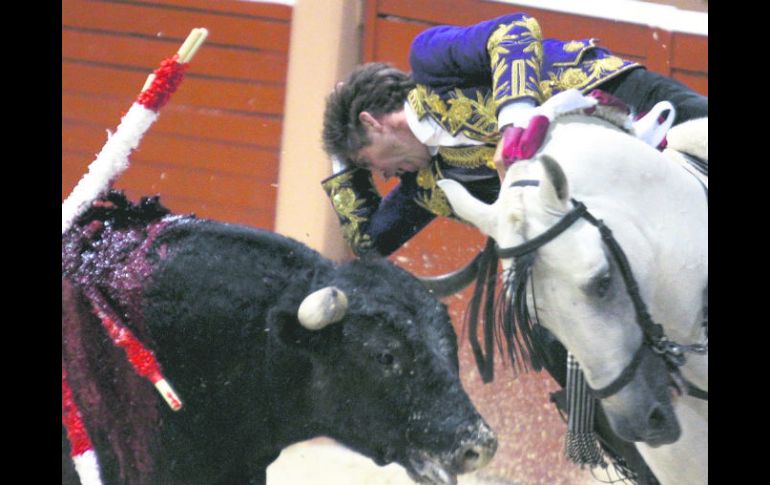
426 130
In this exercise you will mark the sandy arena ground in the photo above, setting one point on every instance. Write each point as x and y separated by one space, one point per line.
324 462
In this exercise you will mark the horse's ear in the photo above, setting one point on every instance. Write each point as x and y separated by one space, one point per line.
554 190
468 207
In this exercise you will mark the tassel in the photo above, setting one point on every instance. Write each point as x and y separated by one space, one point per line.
582 446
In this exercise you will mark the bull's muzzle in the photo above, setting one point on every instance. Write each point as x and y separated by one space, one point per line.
475 453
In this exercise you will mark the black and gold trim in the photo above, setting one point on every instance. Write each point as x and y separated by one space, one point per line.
469 156
475 118
431 197
511 79
585 76
354 198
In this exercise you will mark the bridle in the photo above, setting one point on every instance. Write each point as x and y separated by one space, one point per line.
654 337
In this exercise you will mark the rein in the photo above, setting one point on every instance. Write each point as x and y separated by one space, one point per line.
654 336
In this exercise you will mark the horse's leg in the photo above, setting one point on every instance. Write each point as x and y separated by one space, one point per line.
686 460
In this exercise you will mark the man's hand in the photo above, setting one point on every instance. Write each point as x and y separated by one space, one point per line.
502 158
520 144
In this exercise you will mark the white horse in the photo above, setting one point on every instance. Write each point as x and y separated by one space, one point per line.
576 285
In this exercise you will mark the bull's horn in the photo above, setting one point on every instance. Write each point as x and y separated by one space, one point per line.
450 283
322 307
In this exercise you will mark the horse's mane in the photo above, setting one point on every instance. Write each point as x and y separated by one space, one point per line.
504 314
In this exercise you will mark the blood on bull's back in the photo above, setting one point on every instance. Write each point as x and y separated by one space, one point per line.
266 342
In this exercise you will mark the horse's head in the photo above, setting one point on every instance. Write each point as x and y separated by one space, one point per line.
574 283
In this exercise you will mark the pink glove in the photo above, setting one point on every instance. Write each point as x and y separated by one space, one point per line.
520 144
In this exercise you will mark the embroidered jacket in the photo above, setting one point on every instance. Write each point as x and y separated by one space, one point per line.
452 67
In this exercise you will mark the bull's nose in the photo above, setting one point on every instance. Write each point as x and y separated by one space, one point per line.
476 453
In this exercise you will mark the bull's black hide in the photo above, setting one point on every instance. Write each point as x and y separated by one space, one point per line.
217 304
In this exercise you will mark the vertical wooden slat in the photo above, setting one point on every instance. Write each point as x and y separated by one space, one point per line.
369 42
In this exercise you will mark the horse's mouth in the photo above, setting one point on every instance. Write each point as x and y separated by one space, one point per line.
663 432
663 437
654 442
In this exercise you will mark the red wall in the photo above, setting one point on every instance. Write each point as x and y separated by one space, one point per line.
214 149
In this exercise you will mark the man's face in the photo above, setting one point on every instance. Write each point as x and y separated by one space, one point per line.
393 149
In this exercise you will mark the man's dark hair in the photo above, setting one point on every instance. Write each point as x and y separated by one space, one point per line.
375 87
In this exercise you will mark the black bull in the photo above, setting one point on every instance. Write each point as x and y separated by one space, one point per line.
218 306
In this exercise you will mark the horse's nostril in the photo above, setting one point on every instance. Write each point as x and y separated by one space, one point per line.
657 418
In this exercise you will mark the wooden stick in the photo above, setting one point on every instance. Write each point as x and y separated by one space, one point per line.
186 52
168 393
148 82
192 44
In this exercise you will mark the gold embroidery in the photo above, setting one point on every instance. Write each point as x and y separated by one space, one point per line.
583 77
579 57
487 110
415 98
334 183
546 87
433 199
518 78
572 78
460 111
475 118
346 203
573 46
468 157
425 178
436 104
499 87
601 66
534 27
498 46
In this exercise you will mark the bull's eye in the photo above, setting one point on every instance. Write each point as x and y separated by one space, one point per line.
385 358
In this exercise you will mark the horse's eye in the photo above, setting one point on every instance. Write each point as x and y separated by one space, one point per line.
385 358
602 285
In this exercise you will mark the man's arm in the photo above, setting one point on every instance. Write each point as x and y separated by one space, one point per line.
369 222
508 50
